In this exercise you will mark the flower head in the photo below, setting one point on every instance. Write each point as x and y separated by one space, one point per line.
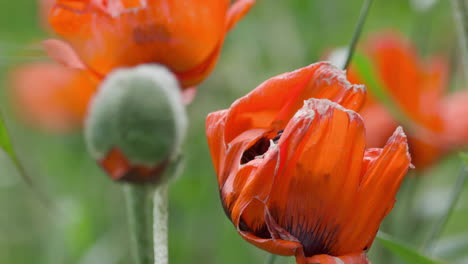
102 36
185 36
137 123
437 124
293 170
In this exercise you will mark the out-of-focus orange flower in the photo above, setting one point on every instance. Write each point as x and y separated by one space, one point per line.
58 101
293 170
185 36
438 123
101 35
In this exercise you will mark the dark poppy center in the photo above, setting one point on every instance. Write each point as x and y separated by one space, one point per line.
259 148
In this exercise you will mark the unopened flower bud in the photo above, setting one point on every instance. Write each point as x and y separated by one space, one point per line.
136 123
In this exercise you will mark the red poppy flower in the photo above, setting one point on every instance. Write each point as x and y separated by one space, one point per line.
437 122
294 173
185 36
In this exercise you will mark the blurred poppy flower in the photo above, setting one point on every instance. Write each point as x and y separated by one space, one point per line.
438 123
294 173
185 36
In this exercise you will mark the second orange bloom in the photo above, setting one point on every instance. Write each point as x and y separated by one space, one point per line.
294 173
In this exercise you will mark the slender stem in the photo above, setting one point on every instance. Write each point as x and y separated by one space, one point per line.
160 224
460 13
456 193
357 33
271 259
140 207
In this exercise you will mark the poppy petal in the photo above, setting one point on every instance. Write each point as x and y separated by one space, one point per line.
120 33
62 53
320 175
379 125
276 100
383 172
237 11
52 96
416 88
215 123
347 259
455 115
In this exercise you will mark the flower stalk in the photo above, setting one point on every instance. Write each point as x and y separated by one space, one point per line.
357 33
139 200
460 14
160 224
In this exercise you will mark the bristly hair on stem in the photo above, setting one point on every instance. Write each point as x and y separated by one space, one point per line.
357 32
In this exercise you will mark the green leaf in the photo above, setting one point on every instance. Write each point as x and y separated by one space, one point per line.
7 146
5 142
406 253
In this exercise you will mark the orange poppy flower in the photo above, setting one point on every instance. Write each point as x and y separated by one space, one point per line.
293 170
185 36
437 122
51 96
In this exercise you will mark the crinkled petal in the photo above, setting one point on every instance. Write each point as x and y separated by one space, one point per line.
321 168
383 172
275 101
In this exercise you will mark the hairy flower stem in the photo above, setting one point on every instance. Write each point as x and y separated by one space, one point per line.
148 217
460 13
140 217
160 224
455 196
357 33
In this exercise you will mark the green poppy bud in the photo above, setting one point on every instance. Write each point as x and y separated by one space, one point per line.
136 123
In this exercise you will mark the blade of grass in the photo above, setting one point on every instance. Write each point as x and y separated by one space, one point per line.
455 196
7 146
406 253
357 33
460 13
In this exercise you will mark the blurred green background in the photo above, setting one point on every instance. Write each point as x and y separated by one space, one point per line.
90 225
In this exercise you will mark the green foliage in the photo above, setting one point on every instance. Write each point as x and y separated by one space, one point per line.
5 142
464 157
258 48
404 252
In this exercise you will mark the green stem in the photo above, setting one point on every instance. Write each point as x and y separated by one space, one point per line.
460 13
271 259
456 193
358 31
160 224
140 206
